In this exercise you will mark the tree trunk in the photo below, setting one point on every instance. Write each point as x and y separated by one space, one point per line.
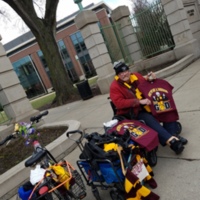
44 29
59 77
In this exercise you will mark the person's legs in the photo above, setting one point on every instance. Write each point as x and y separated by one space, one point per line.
172 128
154 124
164 136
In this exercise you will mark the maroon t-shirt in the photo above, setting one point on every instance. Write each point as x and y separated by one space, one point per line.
139 132
162 103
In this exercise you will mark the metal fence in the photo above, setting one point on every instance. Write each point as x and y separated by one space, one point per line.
114 42
152 29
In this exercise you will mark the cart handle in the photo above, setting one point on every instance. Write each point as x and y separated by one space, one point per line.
73 132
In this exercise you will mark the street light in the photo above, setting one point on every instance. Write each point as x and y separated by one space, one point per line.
79 4
81 68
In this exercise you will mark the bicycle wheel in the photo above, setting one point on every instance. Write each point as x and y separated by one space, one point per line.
179 128
59 193
115 195
47 197
95 192
76 192
17 197
67 197
151 157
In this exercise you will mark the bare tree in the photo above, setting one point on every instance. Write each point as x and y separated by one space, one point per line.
44 30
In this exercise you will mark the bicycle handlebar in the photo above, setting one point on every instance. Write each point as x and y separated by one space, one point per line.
38 117
8 138
32 119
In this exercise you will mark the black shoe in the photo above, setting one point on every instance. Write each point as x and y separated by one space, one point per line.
176 146
182 139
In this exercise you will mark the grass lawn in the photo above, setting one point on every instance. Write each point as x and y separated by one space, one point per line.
46 99
3 117
36 104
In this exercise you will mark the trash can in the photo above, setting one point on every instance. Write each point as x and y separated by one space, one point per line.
84 89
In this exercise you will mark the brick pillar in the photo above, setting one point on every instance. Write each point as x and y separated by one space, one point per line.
120 16
12 96
180 29
86 22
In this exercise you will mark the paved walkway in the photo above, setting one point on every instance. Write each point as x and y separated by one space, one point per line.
178 176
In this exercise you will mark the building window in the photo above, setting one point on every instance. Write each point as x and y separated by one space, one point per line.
83 54
44 63
29 77
67 61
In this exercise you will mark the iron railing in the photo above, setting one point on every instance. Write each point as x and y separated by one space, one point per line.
152 29
113 39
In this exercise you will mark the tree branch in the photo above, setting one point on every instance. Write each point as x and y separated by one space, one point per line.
25 9
50 11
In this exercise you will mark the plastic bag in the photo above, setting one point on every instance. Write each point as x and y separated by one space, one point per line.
36 174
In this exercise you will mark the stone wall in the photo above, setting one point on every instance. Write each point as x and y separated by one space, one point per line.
12 96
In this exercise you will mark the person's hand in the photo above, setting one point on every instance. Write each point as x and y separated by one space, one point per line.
151 76
145 102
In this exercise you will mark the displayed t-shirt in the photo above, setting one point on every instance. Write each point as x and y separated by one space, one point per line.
162 103
139 133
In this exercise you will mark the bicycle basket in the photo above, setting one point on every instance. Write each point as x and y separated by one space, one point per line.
63 175
76 185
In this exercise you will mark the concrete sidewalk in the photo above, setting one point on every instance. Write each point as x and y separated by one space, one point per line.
177 176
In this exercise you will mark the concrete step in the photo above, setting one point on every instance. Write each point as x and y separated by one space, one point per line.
176 67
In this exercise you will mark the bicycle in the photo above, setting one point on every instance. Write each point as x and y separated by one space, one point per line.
57 180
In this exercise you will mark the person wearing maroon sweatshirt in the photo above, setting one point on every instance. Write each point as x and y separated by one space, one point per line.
123 94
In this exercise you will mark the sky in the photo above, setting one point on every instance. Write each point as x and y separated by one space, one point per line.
11 29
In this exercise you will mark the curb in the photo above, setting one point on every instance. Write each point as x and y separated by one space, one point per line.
176 67
19 174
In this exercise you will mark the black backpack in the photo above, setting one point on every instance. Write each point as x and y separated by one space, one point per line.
93 149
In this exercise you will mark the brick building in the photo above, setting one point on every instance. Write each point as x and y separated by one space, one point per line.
29 63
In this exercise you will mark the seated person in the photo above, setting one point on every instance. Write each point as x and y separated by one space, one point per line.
123 94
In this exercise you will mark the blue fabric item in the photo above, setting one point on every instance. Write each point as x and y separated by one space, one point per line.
107 172
92 174
24 195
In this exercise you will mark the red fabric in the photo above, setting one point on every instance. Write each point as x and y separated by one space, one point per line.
143 135
123 98
139 76
162 106
137 191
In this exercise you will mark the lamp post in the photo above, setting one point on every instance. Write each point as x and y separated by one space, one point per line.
79 4
81 68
